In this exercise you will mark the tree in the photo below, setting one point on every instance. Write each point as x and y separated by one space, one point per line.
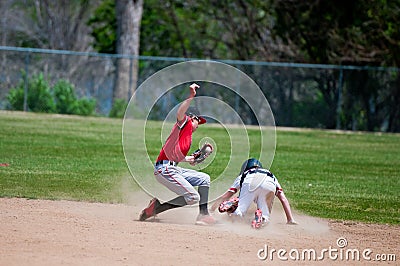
104 28
129 15
59 25
53 24
116 30
6 23
180 28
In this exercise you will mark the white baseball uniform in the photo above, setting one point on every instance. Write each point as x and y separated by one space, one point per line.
259 186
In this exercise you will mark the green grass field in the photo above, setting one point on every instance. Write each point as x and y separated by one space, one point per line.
344 176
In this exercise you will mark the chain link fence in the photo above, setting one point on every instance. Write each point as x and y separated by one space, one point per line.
300 95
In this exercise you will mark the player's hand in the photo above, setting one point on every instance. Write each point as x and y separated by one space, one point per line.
193 89
214 206
189 159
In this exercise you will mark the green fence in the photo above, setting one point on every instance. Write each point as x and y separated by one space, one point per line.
300 95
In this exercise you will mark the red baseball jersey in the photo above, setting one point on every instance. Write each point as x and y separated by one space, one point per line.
179 141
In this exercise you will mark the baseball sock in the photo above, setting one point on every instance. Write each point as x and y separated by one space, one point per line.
203 205
174 203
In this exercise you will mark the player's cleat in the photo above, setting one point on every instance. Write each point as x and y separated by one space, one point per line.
205 220
150 210
258 219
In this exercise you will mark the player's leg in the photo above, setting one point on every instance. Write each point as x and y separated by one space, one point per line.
196 178
155 207
266 195
202 181
245 199
172 177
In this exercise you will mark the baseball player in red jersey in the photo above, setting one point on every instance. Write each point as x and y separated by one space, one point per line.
258 185
177 179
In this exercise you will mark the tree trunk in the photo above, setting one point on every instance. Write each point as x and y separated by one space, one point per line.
129 15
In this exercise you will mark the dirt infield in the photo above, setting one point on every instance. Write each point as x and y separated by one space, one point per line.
41 232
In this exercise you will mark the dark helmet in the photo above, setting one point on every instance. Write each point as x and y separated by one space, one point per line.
250 163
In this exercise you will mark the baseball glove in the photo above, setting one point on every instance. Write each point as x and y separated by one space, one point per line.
229 206
201 154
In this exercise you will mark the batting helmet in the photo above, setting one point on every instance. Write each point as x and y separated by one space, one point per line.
250 163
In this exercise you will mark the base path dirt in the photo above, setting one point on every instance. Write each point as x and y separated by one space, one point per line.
42 232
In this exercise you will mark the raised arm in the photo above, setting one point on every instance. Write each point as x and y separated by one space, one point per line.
180 115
